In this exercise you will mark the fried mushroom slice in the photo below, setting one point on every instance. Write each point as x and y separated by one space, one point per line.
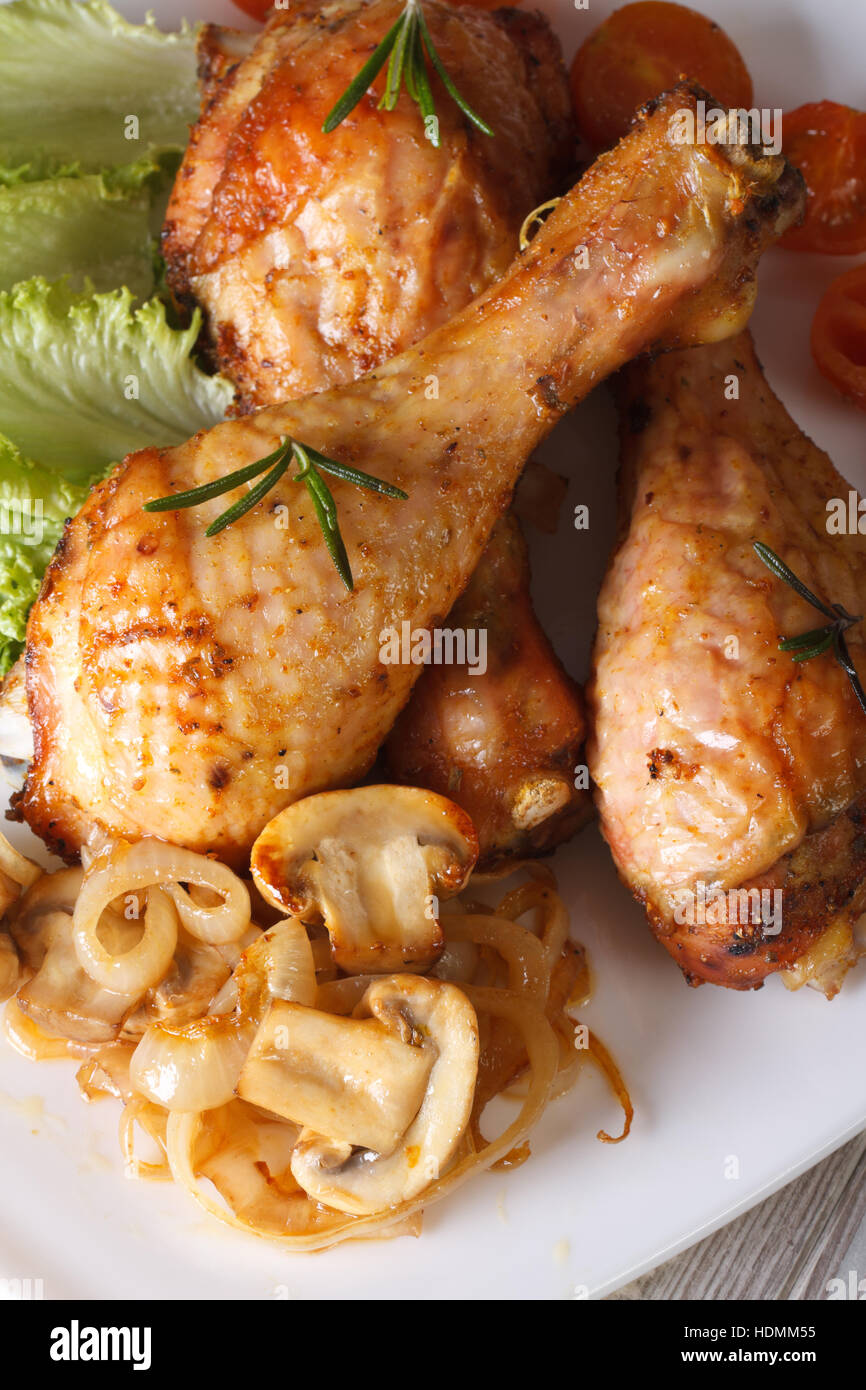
352 1079
371 864
50 893
61 998
440 1021
193 980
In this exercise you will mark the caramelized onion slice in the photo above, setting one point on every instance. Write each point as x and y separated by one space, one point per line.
278 965
191 1067
15 865
133 971
9 967
124 868
50 893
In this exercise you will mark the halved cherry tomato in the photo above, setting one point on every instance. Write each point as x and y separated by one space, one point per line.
640 52
839 335
827 142
257 8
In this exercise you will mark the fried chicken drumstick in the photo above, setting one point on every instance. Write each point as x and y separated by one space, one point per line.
316 257
720 762
189 687
505 745
349 249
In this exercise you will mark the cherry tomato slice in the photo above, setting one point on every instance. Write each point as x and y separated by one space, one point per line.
839 335
827 143
640 52
258 9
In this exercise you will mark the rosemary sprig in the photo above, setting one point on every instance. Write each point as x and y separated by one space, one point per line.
311 465
817 640
403 48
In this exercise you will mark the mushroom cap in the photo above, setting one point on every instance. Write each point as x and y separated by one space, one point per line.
440 1020
369 863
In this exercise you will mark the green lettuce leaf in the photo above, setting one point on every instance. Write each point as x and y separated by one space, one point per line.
94 228
82 89
84 379
34 504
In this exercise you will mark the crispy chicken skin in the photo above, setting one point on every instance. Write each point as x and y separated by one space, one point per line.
503 744
717 758
191 688
316 257
482 190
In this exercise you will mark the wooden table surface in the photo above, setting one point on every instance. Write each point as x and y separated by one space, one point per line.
789 1247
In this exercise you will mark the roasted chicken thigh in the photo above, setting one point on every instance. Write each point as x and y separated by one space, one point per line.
191 687
731 780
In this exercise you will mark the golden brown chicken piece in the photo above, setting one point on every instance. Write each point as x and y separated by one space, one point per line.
720 762
482 190
190 687
317 257
504 744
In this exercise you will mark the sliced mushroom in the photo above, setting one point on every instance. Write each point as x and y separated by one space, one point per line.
371 864
106 1073
50 893
61 997
194 979
441 1023
348 1078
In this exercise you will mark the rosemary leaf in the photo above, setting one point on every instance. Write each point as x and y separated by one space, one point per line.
326 513
446 80
177 501
411 65
309 462
780 569
394 79
818 649
371 69
255 495
805 639
317 485
843 656
403 48
423 94
354 475
811 644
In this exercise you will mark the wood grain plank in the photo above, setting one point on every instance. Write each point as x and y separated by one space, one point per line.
786 1248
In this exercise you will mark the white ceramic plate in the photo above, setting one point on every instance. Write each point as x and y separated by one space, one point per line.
735 1094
